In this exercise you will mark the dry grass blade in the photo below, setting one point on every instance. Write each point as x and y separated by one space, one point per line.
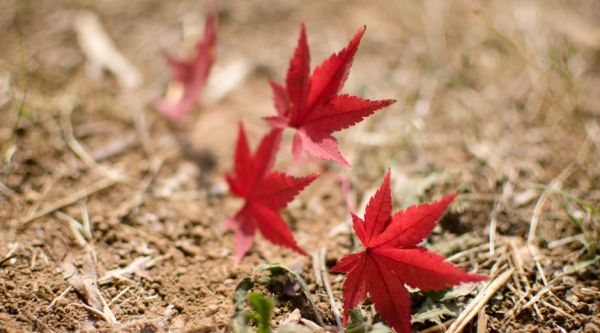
70 199
58 298
555 183
506 193
500 242
67 127
478 302
566 240
79 269
75 227
137 266
482 321
6 190
486 104
559 310
336 312
94 311
535 298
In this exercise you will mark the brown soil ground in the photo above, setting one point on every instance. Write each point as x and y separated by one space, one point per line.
493 98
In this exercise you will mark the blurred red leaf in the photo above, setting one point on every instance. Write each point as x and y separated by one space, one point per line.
392 259
266 193
311 104
192 74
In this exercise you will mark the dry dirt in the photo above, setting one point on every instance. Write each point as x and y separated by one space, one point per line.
497 100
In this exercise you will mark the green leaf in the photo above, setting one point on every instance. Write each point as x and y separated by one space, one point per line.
437 295
568 195
240 319
278 269
239 296
580 266
263 307
357 321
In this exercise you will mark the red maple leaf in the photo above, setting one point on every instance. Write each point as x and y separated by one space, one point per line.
311 104
392 258
266 192
192 74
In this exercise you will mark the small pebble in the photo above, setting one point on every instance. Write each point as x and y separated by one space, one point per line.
213 308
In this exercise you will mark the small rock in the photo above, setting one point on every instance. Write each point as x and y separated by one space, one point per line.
213 308
591 328
188 248
62 303
571 298
221 290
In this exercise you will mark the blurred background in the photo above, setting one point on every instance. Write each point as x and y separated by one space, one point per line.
496 99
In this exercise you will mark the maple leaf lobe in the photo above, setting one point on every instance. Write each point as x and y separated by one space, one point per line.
265 192
310 103
192 74
391 258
